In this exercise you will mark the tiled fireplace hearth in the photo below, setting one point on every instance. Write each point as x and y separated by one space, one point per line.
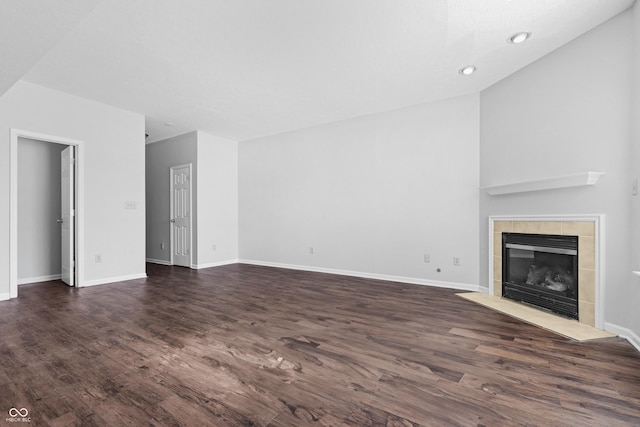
588 228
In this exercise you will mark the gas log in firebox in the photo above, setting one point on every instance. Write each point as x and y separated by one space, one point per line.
541 270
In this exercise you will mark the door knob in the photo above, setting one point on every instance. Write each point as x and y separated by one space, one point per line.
60 221
173 220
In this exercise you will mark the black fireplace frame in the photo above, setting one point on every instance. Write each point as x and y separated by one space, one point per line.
538 296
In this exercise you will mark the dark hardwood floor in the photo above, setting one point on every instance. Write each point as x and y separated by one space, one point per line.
244 345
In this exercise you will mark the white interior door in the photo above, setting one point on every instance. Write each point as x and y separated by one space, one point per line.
181 215
68 215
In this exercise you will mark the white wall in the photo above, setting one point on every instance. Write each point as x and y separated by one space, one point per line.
160 157
114 173
566 113
217 200
39 206
372 194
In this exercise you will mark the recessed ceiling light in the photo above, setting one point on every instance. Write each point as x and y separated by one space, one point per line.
519 38
469 69
169 124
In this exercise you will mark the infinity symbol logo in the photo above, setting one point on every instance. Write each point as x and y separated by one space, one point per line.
22 412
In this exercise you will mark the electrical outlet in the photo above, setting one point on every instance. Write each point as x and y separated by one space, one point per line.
427 258
634 190
311 250
98 258
162 246
456 261
214 248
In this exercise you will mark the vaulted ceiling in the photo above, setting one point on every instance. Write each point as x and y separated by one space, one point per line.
242 69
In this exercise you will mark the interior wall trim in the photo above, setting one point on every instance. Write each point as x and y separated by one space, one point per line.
108 280
625 333
158 261
27 280
213 264
365 275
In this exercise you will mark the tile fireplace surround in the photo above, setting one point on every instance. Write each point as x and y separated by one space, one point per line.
588 228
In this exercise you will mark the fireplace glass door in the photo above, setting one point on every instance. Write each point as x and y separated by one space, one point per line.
541 270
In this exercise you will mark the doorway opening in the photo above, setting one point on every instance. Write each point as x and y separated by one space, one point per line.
69 221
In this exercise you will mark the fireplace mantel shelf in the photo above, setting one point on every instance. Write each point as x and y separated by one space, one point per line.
565 181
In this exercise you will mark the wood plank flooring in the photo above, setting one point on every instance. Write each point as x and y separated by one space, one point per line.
243 345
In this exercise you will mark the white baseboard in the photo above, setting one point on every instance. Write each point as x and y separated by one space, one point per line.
389 278
158 261
5 297
214 264
194 266
96 282
625 333
38 279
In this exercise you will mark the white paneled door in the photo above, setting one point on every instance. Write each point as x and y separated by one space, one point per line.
68 215
181 215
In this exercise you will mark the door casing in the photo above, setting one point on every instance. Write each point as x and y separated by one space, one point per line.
13 204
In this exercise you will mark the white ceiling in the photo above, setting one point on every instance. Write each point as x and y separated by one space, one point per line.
30 28
242 69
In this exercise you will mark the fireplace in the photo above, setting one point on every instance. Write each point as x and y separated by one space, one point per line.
590 278
541 270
